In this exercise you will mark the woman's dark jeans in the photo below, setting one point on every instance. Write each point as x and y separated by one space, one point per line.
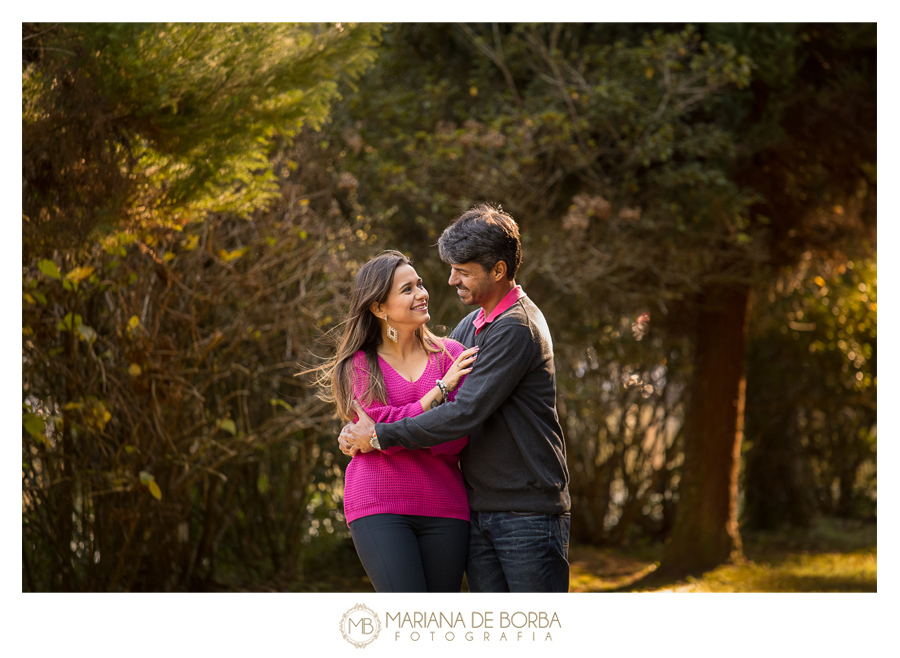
404 553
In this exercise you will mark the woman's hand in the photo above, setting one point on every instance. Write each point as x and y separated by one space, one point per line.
461 367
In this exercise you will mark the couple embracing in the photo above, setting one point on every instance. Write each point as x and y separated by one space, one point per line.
458 459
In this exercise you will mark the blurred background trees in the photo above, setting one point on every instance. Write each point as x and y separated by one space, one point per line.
681 190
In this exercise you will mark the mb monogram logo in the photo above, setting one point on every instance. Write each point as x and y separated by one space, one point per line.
360 626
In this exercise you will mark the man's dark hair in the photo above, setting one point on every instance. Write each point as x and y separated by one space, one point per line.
484 235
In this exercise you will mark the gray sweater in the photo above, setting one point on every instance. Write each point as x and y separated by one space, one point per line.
516 457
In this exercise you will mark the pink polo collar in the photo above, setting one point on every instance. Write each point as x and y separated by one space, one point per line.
511 298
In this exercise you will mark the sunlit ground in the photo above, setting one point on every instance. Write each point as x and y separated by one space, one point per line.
833 556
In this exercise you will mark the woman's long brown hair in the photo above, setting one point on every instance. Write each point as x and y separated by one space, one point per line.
361 331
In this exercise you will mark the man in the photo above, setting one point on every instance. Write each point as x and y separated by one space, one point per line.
515 463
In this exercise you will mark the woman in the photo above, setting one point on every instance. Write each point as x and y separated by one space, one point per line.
407 509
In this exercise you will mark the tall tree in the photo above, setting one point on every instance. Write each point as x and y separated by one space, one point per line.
805 133
158 124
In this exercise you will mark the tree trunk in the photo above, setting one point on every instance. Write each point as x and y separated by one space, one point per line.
705 532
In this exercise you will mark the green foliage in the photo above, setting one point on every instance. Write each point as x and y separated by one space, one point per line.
158 124
806 134
605 151
812 397
153 456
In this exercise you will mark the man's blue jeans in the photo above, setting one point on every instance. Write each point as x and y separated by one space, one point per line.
518 552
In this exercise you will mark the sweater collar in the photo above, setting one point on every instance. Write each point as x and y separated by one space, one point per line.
508 300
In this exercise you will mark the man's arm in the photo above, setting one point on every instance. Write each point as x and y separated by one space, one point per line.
505 357
375 410
459 330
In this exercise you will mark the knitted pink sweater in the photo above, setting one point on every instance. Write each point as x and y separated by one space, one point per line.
395 480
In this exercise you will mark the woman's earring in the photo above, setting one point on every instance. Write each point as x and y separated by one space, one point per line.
393 334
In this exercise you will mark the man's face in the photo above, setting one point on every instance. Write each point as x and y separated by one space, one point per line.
472 282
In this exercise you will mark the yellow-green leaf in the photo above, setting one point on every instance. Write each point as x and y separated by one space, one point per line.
28 298
79 273
134 321
146 478
232 255
228 425
134 370
49 268
154 490
34 425
69 322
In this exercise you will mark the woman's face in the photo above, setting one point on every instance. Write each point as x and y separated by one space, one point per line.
407 303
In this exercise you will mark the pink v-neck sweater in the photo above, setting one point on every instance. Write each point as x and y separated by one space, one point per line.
424 482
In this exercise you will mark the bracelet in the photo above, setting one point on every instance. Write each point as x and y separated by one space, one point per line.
441 385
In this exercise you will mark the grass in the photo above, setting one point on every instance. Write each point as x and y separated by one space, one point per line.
832 556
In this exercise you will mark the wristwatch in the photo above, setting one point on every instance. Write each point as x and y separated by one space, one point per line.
374 441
